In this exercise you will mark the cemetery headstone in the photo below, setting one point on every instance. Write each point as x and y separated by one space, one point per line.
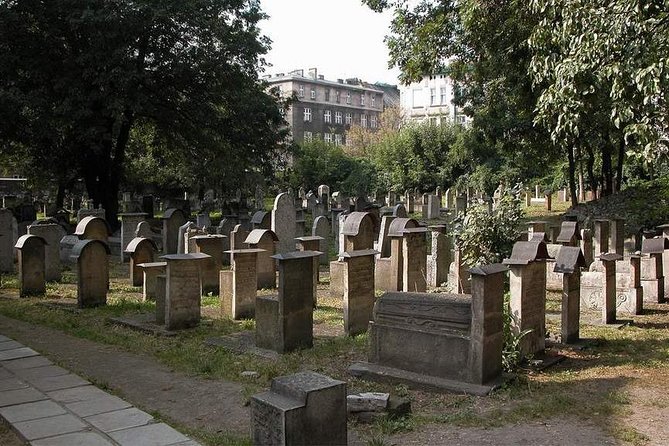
32 279
211 245
151 272
239 284
261 220
140 250
358 290
91 258
652 270
439 259
321 228
283 222
264 240
129 224
52 234
173 219
569 262
183 290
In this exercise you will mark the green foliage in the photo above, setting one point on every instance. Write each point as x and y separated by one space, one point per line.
511 356
487 237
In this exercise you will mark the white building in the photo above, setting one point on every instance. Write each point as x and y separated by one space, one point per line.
430 100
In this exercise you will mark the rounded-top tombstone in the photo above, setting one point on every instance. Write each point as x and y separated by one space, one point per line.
31 265
321 228
173 219
141 250
358 231
92 272
283 222
400 211
52 233
266 266
93 228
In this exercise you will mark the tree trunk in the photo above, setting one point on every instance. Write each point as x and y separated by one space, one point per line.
572 176
590 168
607 170
619 165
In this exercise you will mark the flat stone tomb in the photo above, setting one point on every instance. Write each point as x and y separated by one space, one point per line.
239 285
151 271
212 245
300 409
285 322
183 290
264 240
32 268
439 341
91 258
140 250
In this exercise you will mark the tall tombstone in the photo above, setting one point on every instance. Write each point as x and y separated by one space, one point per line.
458 273
439 259
409 201
400 211
338 220
140 250
321 228
569 262
398 263
665 261
609 287
173 219
600 240
144 230
226 226
305 408
183 238
358 290
628 285
285 322
586 246
183 290
414 253
129 224
151 272
211 245
265 241
31 264
52 234
324 197
652 279
617 235
358 231
569 234
239 284
528 294
383 243
283 222
450 198
91 258
93 228
237 237
311 244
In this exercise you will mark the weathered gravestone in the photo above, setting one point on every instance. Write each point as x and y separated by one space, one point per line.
140 250
212 245
358 290
283 222
91 258
311 244
129 224
569 234
617 236
151 272
173 219
439 259
285 322
239 285
31 263
182 238
321 228
302 409
357 233
414 253
440 341
183 290
265 240
629 292
569 262
400 211
203 221
598 287
324 197
52 234
261 220
665 261
528 294
652 270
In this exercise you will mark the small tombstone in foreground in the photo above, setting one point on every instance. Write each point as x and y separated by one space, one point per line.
239 284
358 290
569 262
31 264
183 290
52 234
140 250
91 258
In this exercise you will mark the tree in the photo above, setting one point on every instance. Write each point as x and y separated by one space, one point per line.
359 139
77 78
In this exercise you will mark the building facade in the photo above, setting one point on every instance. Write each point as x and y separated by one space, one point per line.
326 109
431 100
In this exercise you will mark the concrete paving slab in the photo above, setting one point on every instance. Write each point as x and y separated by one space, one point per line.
120 419
49 427
11 384
74 439
43 372
159 434
4 373
4 338
31 411
50 383
76 394
188 443
10 345
26 363
107 403
20 396
23 352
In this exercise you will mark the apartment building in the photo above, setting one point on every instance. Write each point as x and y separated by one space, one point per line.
327 109
431 100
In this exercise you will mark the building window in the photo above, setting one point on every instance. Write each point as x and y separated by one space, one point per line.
300 92
434 120
337 96
337 139
307 114
327 137
327 95
327 116
442 94
308 137
313 93
363 121
433 96
373 100
349 118
460 119
338 119
362 99
372 121
348 97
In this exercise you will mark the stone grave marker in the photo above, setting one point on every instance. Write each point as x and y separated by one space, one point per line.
311 244
140 250
283 222
358 290
439 259
617 235
173 219
261 220
400 211
183 290
569 234
239 284
586 246
629 291
285 322
212 245
93 228
264 240
569 262
324 197
203 221
321 228
151 272
182 238
300 409
52 234
652 270
91 258
414 253
32 278
461 204
129 224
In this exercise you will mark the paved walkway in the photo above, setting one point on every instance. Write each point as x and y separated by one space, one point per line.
49 406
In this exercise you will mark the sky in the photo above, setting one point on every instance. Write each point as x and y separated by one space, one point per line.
341 38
